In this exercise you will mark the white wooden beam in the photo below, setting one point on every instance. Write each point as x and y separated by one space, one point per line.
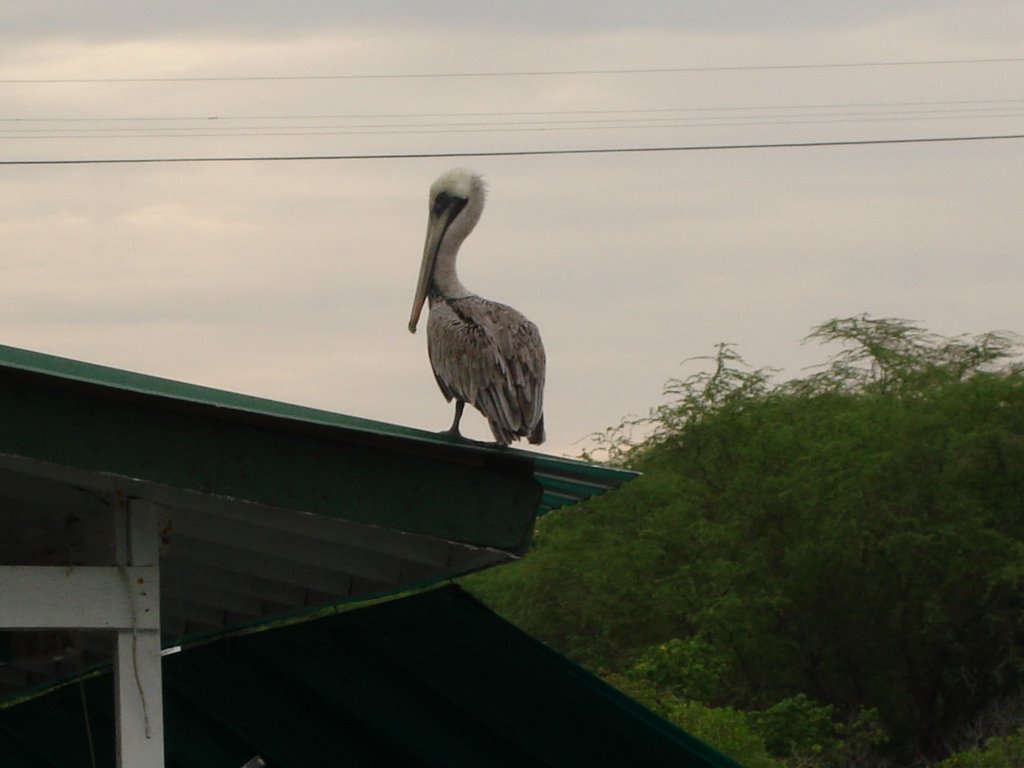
86 597
138 691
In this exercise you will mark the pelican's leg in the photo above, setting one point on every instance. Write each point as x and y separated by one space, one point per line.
454 429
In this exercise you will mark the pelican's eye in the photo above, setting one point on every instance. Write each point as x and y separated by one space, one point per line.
443 202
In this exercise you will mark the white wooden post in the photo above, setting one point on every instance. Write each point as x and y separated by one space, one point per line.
124 598
138 687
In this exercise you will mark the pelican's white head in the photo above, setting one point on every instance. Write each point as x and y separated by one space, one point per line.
457 199
455 204
458 182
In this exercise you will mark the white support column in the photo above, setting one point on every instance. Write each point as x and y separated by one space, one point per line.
138 687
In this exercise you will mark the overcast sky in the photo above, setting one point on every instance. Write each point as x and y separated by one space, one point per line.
293 279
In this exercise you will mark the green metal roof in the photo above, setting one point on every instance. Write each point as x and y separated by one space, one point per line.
265 508
427 680
563 481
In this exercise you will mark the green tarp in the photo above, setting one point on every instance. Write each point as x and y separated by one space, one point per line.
433 679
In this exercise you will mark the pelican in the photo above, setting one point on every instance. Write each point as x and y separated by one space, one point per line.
482 352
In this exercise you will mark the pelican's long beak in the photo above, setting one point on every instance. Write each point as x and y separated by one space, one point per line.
435 233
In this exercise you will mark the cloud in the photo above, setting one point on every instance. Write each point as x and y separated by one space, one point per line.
293 280
195 19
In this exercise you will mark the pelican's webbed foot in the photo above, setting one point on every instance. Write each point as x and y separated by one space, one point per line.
454 433
453 430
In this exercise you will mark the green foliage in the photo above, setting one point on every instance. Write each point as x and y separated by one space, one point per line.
998 752
855 537
731 731
792 732
893 356
808 734
687 668
797 726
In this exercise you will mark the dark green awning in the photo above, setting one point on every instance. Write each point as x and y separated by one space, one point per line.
214 441
265 508
432 679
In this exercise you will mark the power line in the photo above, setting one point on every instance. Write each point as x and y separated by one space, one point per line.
354 124
509 73
513 153
950 104
451 128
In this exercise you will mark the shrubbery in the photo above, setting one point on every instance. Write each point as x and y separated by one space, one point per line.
822 572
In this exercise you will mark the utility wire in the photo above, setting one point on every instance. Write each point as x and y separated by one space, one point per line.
960 105
510 73
514 153
503 122
393 129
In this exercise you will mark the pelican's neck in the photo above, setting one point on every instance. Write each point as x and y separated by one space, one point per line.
446 279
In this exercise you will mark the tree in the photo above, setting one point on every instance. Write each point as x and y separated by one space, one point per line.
855 537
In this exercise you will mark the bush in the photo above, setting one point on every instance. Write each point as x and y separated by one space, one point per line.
855 538
998 752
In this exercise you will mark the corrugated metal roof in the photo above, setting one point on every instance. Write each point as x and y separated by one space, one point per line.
431 679
266 508
564 481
